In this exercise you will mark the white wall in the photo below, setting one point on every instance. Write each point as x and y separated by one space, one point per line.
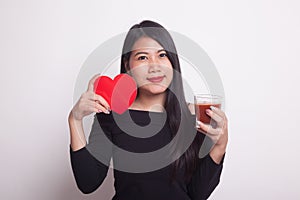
254 45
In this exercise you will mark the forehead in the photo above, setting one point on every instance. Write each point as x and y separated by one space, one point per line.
146 43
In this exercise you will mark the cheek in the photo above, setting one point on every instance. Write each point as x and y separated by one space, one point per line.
133 67
169 73
139 74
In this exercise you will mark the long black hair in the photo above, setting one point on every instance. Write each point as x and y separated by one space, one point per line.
175 104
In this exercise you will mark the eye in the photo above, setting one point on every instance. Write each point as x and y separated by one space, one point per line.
163 55
142 57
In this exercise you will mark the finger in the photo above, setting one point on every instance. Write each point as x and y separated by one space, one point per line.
98 108
100 99
218 111
95 109
200 129
207 128
92 81
216 117
222 114
213 134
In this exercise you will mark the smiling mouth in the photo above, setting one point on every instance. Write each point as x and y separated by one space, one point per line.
156 79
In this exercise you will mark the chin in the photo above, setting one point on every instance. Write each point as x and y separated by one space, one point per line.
155 89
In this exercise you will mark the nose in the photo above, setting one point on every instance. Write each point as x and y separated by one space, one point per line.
154 65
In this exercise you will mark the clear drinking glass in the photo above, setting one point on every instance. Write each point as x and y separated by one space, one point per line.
203 102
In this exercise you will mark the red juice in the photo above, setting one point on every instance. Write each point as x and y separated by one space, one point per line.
201 111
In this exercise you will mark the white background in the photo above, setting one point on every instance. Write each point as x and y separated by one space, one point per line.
254 45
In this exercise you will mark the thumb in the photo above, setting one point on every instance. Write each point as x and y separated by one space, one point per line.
92 81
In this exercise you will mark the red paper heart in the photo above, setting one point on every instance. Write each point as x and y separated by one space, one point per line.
119 93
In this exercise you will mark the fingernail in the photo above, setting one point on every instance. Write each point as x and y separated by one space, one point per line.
212 107
107 112
199 123
99 111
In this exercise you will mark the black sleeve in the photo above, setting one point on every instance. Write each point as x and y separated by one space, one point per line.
90 164
205 178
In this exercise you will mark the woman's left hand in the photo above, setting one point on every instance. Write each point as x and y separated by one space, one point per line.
218 132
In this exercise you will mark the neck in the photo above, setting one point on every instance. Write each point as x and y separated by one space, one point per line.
150 102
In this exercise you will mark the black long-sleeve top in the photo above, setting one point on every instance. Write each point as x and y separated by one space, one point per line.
90 164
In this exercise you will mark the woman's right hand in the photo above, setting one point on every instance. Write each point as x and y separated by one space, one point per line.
90 102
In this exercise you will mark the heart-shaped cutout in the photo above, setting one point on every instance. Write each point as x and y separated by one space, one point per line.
119 93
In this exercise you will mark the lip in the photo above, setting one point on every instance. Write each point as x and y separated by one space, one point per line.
156 79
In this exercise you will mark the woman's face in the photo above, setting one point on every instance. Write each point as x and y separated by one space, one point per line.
150 66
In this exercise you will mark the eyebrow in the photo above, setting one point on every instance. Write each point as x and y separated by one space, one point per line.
141 52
